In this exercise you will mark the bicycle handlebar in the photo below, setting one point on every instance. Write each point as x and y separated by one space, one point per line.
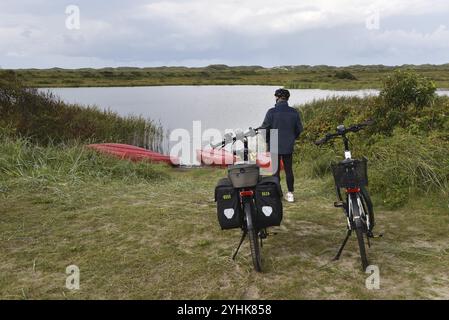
341 131
239 135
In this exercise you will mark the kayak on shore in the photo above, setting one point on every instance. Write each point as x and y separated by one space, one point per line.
133 153
215 157
209 157
223 158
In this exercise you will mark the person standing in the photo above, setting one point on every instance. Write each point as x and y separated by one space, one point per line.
288 123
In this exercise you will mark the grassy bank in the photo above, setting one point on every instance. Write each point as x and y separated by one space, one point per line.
44 118
151 232
304 77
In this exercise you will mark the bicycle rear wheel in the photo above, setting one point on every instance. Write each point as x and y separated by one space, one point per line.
368 208
360 229
253 239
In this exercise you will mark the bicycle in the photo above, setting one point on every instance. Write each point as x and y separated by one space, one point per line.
246 180
351 174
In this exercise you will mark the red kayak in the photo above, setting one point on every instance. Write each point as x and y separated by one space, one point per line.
215 157
223 158
264 161
133 153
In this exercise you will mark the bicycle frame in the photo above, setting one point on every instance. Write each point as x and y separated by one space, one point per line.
246 196
349 191
357 206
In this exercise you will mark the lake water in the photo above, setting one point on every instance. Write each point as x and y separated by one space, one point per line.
219 107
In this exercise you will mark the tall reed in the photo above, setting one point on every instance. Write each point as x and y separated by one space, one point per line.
42 117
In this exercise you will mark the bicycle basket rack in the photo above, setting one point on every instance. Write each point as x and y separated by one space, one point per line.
352 174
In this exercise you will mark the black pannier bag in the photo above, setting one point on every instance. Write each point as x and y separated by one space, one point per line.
268 202
228 205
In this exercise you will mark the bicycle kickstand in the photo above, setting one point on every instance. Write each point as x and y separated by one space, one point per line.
240 244
348 234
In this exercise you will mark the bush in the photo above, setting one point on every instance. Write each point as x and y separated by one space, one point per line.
322 116
410 160
344 75
404 95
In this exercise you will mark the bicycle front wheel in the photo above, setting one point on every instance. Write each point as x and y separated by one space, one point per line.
253 239
360 231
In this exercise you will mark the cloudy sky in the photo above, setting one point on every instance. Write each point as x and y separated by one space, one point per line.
46 33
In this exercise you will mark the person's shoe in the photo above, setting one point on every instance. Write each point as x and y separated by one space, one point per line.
290 197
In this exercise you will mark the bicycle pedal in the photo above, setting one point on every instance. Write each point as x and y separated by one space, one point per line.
338 204
267 234
380 235
373 236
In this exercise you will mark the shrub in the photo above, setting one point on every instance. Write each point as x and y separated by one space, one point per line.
409 161
404 95
344 75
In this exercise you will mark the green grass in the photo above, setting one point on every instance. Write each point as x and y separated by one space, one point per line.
301 77
141 230
43 118
411 160
147 231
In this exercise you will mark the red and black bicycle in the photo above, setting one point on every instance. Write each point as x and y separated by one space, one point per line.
248 201
352 176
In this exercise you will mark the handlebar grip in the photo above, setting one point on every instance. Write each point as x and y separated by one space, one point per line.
360 126
216 145
368 122
251 132
239 135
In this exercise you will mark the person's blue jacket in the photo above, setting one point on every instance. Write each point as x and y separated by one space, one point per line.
288 123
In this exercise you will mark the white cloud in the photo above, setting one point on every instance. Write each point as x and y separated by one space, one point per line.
399 41
256 17
236 32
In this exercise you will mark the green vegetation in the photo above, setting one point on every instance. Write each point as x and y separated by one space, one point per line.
43 118
300 77
408 147
344 74
141 230
39 166
156 235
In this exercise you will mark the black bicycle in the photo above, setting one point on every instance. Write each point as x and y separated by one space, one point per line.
351 175
246 200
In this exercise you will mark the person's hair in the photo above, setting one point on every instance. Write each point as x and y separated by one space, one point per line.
282 94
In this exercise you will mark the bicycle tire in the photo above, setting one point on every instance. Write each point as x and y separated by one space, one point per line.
360 231
253 239
368 207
